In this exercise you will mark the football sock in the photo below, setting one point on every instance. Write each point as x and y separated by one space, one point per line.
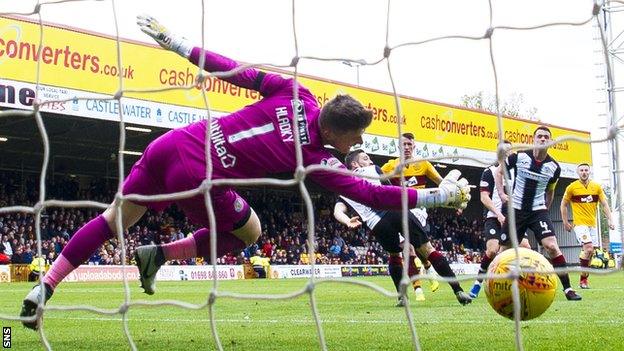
485 264
395 267
584 264
198 245
560 261
412 270
79 248
441 265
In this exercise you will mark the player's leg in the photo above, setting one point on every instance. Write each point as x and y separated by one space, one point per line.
79 248
238 226
421 215
387 233
586 238
492 231
413 269
419 239
543 229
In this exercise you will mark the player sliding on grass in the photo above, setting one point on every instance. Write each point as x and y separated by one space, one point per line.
387 227
252 142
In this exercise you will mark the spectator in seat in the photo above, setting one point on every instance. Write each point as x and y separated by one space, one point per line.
4 258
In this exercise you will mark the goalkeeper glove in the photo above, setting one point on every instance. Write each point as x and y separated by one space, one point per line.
452 192
163 36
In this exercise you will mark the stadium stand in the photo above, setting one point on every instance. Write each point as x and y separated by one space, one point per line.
283 239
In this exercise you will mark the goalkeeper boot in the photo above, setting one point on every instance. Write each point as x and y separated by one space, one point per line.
474 291
31 302
146 260
463 298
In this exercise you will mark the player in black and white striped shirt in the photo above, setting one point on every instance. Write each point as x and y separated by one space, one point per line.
495 227
387 227
536 175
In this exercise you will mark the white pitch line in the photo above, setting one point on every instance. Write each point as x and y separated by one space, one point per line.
329 321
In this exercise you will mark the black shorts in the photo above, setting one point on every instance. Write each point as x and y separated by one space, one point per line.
538 221
390 226
493 230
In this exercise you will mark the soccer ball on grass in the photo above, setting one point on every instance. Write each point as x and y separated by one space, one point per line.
537 290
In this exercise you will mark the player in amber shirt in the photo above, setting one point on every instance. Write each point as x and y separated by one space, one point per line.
583 195
416 175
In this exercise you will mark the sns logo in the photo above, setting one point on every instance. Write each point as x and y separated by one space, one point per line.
587 199
6 337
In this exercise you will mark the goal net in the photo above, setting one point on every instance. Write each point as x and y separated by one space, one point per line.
392 57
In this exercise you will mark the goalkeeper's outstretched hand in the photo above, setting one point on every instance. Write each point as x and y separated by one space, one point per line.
163 36
457 190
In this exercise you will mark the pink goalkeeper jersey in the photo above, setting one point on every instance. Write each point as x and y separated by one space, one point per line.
259 138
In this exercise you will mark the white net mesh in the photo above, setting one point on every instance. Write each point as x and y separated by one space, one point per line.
596 13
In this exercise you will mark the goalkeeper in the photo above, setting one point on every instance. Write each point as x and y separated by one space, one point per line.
250 143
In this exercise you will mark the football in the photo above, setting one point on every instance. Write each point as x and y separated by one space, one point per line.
537 290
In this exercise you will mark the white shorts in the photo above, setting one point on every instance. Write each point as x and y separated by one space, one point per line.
421 215
586 234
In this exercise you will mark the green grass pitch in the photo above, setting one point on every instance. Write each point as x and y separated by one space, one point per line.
353 318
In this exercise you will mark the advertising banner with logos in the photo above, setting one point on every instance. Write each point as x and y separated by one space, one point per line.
74 63
224 272
301 271
363 270
5 273
91 273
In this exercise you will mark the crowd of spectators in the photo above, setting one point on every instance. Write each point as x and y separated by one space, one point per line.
284 231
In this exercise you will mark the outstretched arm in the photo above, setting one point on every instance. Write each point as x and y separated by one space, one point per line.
249 78
453 192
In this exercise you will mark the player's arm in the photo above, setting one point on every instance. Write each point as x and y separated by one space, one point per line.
433 174
380 172
340 213
453 192
388 167
250 78
550 188
565 201
606 209
489 204
550 195
486 188
498 181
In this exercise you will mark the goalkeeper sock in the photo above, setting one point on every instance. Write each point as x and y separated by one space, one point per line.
226 242
395 268
178 250
59 270
79 248
560 261
441 265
